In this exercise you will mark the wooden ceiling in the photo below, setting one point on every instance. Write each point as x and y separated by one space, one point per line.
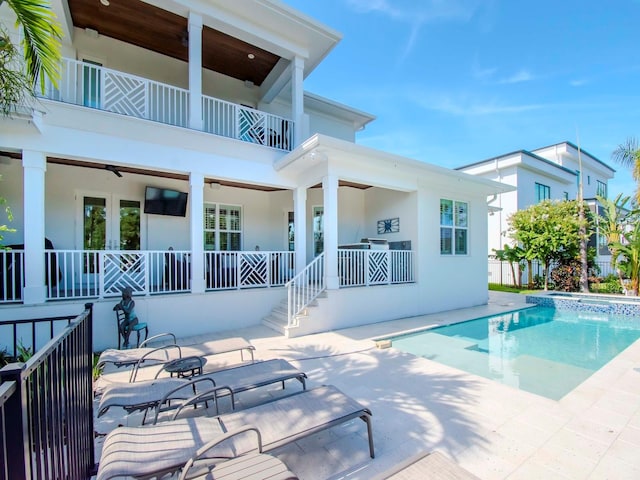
150 27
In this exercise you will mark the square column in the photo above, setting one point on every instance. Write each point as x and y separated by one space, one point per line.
196 212
300 227
34 165
195 71
297 100
330 219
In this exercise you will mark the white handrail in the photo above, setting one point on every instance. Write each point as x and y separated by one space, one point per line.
304 288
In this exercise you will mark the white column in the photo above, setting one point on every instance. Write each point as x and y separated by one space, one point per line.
196 212
195 71
300 227
330 194
297 100
34 166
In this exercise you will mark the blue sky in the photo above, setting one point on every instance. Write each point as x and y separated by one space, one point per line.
452 82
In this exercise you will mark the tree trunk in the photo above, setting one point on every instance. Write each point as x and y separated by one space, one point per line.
530 274
584 263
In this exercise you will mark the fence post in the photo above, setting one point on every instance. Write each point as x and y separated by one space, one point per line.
92 456
18 465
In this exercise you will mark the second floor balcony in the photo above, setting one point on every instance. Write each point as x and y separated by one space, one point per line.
98 87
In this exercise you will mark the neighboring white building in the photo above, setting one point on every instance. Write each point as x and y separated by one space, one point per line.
166 102
545 173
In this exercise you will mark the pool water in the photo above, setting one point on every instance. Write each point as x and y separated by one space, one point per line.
541 350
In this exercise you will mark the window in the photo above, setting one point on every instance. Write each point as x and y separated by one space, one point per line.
222 227
565 195
291 232
453 227
601 189
543 192
318 230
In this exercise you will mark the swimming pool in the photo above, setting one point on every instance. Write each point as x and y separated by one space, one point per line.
541 350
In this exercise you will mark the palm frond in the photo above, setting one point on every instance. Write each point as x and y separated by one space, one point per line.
41 40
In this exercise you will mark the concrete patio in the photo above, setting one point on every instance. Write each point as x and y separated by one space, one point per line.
492 430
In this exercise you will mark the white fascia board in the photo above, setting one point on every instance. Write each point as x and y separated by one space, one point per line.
267 24
336 150
338 110
548 170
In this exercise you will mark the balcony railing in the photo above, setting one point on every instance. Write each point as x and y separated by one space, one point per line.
98 273
98 87
375 267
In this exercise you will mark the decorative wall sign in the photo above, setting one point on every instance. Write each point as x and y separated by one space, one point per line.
391 225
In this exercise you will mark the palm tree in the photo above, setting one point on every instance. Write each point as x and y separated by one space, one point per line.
628 155
612 224
41 46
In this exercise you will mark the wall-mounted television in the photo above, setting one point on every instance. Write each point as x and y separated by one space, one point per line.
163 201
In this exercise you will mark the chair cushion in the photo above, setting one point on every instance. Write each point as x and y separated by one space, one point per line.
139 326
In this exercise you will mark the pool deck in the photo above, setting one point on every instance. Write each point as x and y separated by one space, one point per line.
492 430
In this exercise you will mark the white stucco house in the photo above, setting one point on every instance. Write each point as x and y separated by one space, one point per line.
181 156
548 173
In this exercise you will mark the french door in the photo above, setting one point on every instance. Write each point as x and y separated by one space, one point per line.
111 223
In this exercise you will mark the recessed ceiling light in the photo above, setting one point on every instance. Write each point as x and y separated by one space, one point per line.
251 56
106 3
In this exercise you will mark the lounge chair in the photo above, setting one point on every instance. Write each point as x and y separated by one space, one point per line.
153 450
210 386
250 466
149 355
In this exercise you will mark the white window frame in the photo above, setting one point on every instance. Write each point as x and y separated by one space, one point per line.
216 230
457 224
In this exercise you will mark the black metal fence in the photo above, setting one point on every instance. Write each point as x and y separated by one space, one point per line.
46 407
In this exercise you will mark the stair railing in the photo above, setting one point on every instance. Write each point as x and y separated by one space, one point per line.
304 288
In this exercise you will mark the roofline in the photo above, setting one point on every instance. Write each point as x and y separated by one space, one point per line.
319 140
360 117
581 150
525 152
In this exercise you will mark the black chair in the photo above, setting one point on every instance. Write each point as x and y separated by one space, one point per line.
138 327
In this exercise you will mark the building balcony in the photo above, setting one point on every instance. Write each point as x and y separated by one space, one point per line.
101 88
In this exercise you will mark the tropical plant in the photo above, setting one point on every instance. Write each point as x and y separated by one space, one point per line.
612 224
515 256
548 231
628 155
41 36
4 227
628 257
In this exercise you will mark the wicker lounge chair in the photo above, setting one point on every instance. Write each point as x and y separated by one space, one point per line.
210 386
251 466
152 450
136 357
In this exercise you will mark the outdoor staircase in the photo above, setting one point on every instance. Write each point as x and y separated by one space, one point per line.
277 319
303 292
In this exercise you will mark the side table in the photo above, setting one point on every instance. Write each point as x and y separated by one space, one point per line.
185 367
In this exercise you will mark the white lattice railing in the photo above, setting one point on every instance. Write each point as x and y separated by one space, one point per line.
11 275
98 273
304 288
246 124
102 88
229 270
375 267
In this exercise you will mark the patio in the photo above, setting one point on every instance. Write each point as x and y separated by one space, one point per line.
492 430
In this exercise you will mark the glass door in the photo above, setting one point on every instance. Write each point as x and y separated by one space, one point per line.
110 223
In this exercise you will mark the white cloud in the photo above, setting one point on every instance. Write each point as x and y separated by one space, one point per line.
422 11
417 13
465 106
578 82
518 77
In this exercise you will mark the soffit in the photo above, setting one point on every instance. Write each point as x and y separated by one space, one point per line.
149 27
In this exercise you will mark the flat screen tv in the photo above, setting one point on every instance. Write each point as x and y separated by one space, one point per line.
163 201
